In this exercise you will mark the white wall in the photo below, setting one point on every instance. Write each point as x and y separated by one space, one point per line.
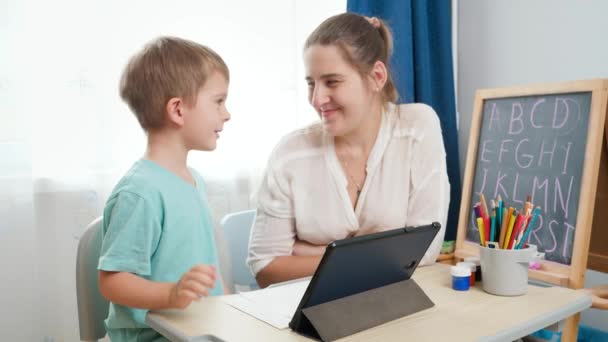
506 43
66 138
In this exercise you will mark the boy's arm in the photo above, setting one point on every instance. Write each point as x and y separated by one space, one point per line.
133 291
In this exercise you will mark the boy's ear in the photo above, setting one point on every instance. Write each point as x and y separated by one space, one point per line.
174 110
378 75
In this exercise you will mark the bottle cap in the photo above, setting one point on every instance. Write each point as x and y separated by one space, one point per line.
468 264
460 271
473 259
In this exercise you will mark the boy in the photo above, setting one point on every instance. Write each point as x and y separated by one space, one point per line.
158 249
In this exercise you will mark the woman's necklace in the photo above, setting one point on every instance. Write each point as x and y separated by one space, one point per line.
352 179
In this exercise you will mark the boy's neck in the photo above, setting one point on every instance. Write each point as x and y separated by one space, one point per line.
168 151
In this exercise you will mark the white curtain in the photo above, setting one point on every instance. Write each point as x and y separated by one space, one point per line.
66 138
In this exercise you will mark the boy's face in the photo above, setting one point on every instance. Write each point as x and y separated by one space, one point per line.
204 121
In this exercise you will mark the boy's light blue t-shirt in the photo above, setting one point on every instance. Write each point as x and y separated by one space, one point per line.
157 226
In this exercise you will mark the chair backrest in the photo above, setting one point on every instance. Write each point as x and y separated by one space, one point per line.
236 231
92 307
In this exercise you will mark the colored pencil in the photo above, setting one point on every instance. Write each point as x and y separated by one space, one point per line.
529 228
505 224
515 232
509 229
493 226
484 206
482 240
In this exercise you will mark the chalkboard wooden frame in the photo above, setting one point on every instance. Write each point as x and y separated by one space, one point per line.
565 275
598 248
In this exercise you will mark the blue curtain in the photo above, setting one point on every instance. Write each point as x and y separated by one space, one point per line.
422 67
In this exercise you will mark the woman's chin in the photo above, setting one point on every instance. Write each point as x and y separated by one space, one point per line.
332 129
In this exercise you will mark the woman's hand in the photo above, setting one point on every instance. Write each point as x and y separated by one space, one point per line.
303 248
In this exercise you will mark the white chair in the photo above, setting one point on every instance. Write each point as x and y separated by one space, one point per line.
92 307
236 231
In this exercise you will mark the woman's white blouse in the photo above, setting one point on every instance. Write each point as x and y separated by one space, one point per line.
303 194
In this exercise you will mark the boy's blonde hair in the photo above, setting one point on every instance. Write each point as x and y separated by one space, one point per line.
167 67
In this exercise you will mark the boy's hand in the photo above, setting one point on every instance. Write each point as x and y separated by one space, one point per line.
193 285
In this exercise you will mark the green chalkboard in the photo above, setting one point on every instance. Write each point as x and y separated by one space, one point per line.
534 146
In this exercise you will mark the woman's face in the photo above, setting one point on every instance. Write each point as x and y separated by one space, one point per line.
341 97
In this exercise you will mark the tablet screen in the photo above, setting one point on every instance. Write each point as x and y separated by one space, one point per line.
358 264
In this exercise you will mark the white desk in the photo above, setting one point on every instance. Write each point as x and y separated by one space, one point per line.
457 316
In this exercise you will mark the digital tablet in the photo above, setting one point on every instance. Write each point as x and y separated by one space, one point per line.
353 265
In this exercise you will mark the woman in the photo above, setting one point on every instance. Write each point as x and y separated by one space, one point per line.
368 166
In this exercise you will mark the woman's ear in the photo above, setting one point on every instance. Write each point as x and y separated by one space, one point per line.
173 111
379 75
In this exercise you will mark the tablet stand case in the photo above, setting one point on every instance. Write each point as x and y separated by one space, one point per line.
345 316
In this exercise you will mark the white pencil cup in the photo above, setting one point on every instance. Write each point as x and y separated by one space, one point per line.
505 271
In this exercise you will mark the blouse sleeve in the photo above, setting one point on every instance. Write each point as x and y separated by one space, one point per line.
273 233
429 196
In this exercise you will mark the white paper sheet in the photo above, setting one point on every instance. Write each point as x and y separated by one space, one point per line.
274 305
